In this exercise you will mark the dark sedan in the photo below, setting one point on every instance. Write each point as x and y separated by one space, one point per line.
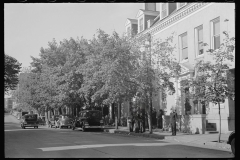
29 120
231 141
88 119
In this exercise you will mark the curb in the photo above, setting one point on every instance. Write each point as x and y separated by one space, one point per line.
203 143
134 134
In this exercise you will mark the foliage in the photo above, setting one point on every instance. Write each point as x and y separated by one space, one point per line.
108 70
157 66
104 70
214 82
12 68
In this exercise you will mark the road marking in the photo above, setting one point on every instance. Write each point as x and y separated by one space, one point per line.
102 145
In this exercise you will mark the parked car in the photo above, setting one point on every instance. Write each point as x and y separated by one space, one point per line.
88 119
231 141
64 121
53 121
29 120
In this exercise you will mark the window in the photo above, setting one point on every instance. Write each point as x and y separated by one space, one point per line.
164 10
215 34
184 46
141 24
199 40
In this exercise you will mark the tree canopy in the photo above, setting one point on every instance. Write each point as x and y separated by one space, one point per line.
12 68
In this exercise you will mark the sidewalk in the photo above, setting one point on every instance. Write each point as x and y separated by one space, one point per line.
195 139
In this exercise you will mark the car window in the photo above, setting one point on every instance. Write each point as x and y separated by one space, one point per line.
94 114
30 116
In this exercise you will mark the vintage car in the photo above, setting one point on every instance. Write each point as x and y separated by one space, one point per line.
64 121
88 119
29 120
231 141
53 121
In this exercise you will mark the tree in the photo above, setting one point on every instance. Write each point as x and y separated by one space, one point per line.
56 68
108 70
214 82
157 66
12 68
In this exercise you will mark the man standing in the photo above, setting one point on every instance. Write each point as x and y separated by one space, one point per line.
173 120
159 119
106 120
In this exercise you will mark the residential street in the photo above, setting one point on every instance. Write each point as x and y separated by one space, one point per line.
65 143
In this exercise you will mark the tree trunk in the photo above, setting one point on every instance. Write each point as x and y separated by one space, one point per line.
119 113
143 115
150 114
59 111
46 115
219 137
116 115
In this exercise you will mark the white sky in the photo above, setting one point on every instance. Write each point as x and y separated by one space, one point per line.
28 27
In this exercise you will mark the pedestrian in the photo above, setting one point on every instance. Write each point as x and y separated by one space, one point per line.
103 118
131 124
137 122
141 123
106 120
154 120
173 120
159 118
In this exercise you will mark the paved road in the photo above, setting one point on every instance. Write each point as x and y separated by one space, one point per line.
65 143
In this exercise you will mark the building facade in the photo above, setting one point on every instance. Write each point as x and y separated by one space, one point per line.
192 24
8 103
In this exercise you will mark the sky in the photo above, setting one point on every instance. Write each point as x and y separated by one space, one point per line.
28 27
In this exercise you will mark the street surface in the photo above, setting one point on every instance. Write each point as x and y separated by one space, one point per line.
65 143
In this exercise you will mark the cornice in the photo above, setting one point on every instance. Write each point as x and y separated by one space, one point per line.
178 15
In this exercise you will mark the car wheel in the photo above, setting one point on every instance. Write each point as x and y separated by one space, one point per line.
233 146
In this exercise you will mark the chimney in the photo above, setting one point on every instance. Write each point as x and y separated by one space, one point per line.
150 6
149 23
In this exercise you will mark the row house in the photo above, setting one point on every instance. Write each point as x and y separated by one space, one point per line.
193 25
